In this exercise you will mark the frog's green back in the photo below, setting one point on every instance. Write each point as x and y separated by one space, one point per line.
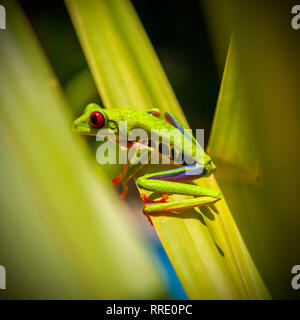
159 130
155 128
138 119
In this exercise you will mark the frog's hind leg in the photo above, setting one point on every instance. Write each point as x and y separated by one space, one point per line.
178 205
171 182
116 180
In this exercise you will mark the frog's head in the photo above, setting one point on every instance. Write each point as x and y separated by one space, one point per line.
93 119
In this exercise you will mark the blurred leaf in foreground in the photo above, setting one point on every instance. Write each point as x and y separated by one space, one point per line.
63 231
256 134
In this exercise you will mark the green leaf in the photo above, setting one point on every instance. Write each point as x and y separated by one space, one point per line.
64 231
256 133
205 248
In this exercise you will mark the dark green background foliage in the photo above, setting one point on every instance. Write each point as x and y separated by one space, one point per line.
178 34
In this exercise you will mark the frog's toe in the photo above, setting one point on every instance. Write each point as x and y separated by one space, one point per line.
115 181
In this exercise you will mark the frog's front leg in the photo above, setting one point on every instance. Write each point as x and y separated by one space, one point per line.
164 182
135 164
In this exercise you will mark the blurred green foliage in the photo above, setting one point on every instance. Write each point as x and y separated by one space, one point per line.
64 232
255 136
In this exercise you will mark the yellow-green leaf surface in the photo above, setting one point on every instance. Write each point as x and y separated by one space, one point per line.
255 135
205 247
64 233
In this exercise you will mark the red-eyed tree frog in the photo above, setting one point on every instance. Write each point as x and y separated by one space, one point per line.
166 182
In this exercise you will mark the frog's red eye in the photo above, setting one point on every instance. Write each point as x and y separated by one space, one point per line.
97 119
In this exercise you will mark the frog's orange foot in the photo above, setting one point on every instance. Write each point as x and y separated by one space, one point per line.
144 197
147 201
124 192
115 181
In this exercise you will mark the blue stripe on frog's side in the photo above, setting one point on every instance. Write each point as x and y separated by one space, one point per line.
189 172
169 118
